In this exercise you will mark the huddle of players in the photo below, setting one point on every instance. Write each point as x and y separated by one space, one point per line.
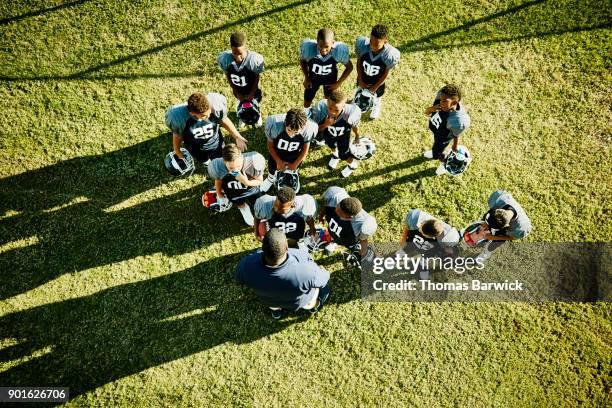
239 177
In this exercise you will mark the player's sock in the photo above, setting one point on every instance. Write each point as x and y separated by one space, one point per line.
247 215
267 183
376 107
333 162
348 170
428 154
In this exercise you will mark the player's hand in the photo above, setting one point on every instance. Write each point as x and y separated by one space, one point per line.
361 84
242 179
280 165
241 142
321 217
258 237
356 140
179 154
307 83
313 232
329 120
334 86
293 166
373 89
432 109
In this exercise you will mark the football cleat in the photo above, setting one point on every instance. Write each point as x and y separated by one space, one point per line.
179 166
211 201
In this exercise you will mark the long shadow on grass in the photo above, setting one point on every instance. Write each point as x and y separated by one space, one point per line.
81 213
41 11
86 342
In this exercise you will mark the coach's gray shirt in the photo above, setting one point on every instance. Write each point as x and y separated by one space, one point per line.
520 226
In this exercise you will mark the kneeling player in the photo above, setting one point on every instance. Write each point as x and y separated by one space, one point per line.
242 68
287 212
289 136
238 177
348 223
319 62
336 119
447 121
197 122
376 58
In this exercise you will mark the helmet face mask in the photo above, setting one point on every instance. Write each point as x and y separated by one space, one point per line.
317 243
458 162
248 112
288 178
210 201
364 99
364 149
177 166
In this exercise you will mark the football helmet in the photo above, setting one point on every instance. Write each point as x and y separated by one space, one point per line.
364 99
364 149
458 161
288 178
352 257
177 166
317 243
212 202
248 112
475 235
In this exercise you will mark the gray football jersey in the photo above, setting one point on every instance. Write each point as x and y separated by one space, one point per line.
364 225
351 113
520 227
415 218
253 166
177 115
305 207
339 52
275 125
254 62
389 54
458 120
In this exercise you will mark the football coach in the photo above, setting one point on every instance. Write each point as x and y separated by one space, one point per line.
284 279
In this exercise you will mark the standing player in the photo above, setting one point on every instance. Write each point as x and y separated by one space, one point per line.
287 212
197 122
289 136
348 223
238 177
319 62
242 69
507 219
336 120
376 58
447 120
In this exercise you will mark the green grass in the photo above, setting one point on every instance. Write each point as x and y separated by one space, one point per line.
100 293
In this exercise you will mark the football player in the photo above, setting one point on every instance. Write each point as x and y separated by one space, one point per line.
376 57
287 212
447 121
289 136
197 122
425 231
507 220
348 223
319 62
336 120
242 69
238 177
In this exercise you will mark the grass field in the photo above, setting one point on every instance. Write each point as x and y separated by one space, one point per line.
115 282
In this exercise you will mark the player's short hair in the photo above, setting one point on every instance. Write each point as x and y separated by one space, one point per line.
231 153
198 103
274 246
237 39
325 34
432 228
351 206
296 118
380 31
499 218
451 91
336 96
285 195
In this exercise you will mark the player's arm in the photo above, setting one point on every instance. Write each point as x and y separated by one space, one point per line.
176 144
254 87
455 143
364 247
326 122
307 80
257 221
219 189
254 182
432 109
492 237
404 237
280 164
348 68
360 82
311 226
303 153
227 124
374 88
357 134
